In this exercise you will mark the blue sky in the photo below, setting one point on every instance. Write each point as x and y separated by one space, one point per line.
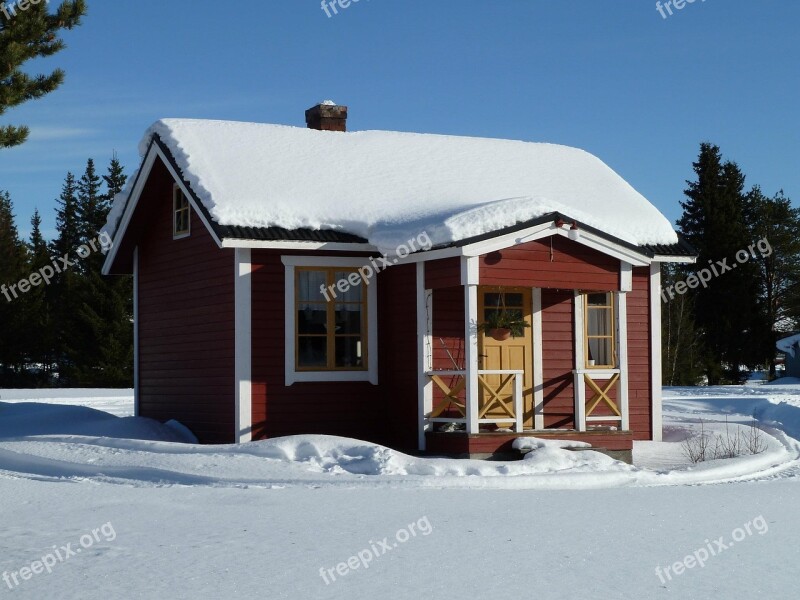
610 76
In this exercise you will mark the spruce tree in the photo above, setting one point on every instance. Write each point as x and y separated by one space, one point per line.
66 288
40 340
12 270
775 227
728 311
26 35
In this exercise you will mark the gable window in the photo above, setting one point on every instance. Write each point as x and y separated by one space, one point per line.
331 325
599 329
182 214
330 331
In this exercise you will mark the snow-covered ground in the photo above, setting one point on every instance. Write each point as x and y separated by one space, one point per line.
108 506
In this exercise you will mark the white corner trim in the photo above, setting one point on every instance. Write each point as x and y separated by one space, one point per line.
243 332
625 276
655 350
471 352
622 358
470 270
580 363
136 387
538 360
291 374
424 357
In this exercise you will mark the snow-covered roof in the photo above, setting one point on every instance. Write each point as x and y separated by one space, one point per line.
389 187
789 345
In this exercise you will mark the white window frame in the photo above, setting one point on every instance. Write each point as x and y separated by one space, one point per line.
292 374
184 234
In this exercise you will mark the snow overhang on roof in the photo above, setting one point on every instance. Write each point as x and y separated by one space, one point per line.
384 188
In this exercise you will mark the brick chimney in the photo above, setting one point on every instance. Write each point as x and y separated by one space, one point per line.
327 116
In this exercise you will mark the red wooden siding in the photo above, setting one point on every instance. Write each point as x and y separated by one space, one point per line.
442 273
640 391
351 409
186 319
396 396
558 358
554 262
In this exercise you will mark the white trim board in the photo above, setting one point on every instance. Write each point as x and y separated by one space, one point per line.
655 351
244 343
136 387
291 374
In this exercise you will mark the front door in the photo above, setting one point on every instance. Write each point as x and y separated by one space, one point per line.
515 353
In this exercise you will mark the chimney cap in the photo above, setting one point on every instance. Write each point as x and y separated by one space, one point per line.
327 116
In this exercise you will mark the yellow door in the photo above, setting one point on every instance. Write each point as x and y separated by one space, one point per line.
496 392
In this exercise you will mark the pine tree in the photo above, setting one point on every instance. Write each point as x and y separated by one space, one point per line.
728 311
92 212
775 227
26 35
106 311
66 287
40 340
12 270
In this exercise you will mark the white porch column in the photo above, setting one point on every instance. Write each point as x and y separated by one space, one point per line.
243 333
580 364
424 353
538 362
469 279
622 356
655 349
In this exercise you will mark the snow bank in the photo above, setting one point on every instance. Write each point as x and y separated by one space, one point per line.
389 187
27 419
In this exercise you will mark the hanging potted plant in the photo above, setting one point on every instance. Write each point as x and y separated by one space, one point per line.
503 324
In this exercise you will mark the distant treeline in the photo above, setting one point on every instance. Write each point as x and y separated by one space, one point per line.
61 322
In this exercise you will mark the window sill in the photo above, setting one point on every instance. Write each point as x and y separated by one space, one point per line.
293 377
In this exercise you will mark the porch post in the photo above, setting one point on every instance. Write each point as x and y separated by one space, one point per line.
538 361
655 349
469 279
580 364
622 353
424 354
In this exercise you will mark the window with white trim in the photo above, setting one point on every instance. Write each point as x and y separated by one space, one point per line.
330 332
182 214
600 323
331 324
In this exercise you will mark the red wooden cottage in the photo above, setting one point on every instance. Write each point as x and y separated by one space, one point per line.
312 280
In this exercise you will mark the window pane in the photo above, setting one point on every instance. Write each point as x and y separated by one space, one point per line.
514 300
599 300
312 318
600 351
348 352
348 318
312 352
599 321
354 293
310 285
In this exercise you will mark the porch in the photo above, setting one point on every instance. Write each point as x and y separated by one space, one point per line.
559 377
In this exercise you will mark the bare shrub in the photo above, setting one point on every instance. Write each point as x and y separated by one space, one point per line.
702 446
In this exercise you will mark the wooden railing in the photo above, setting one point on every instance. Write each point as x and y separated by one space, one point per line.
492 402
